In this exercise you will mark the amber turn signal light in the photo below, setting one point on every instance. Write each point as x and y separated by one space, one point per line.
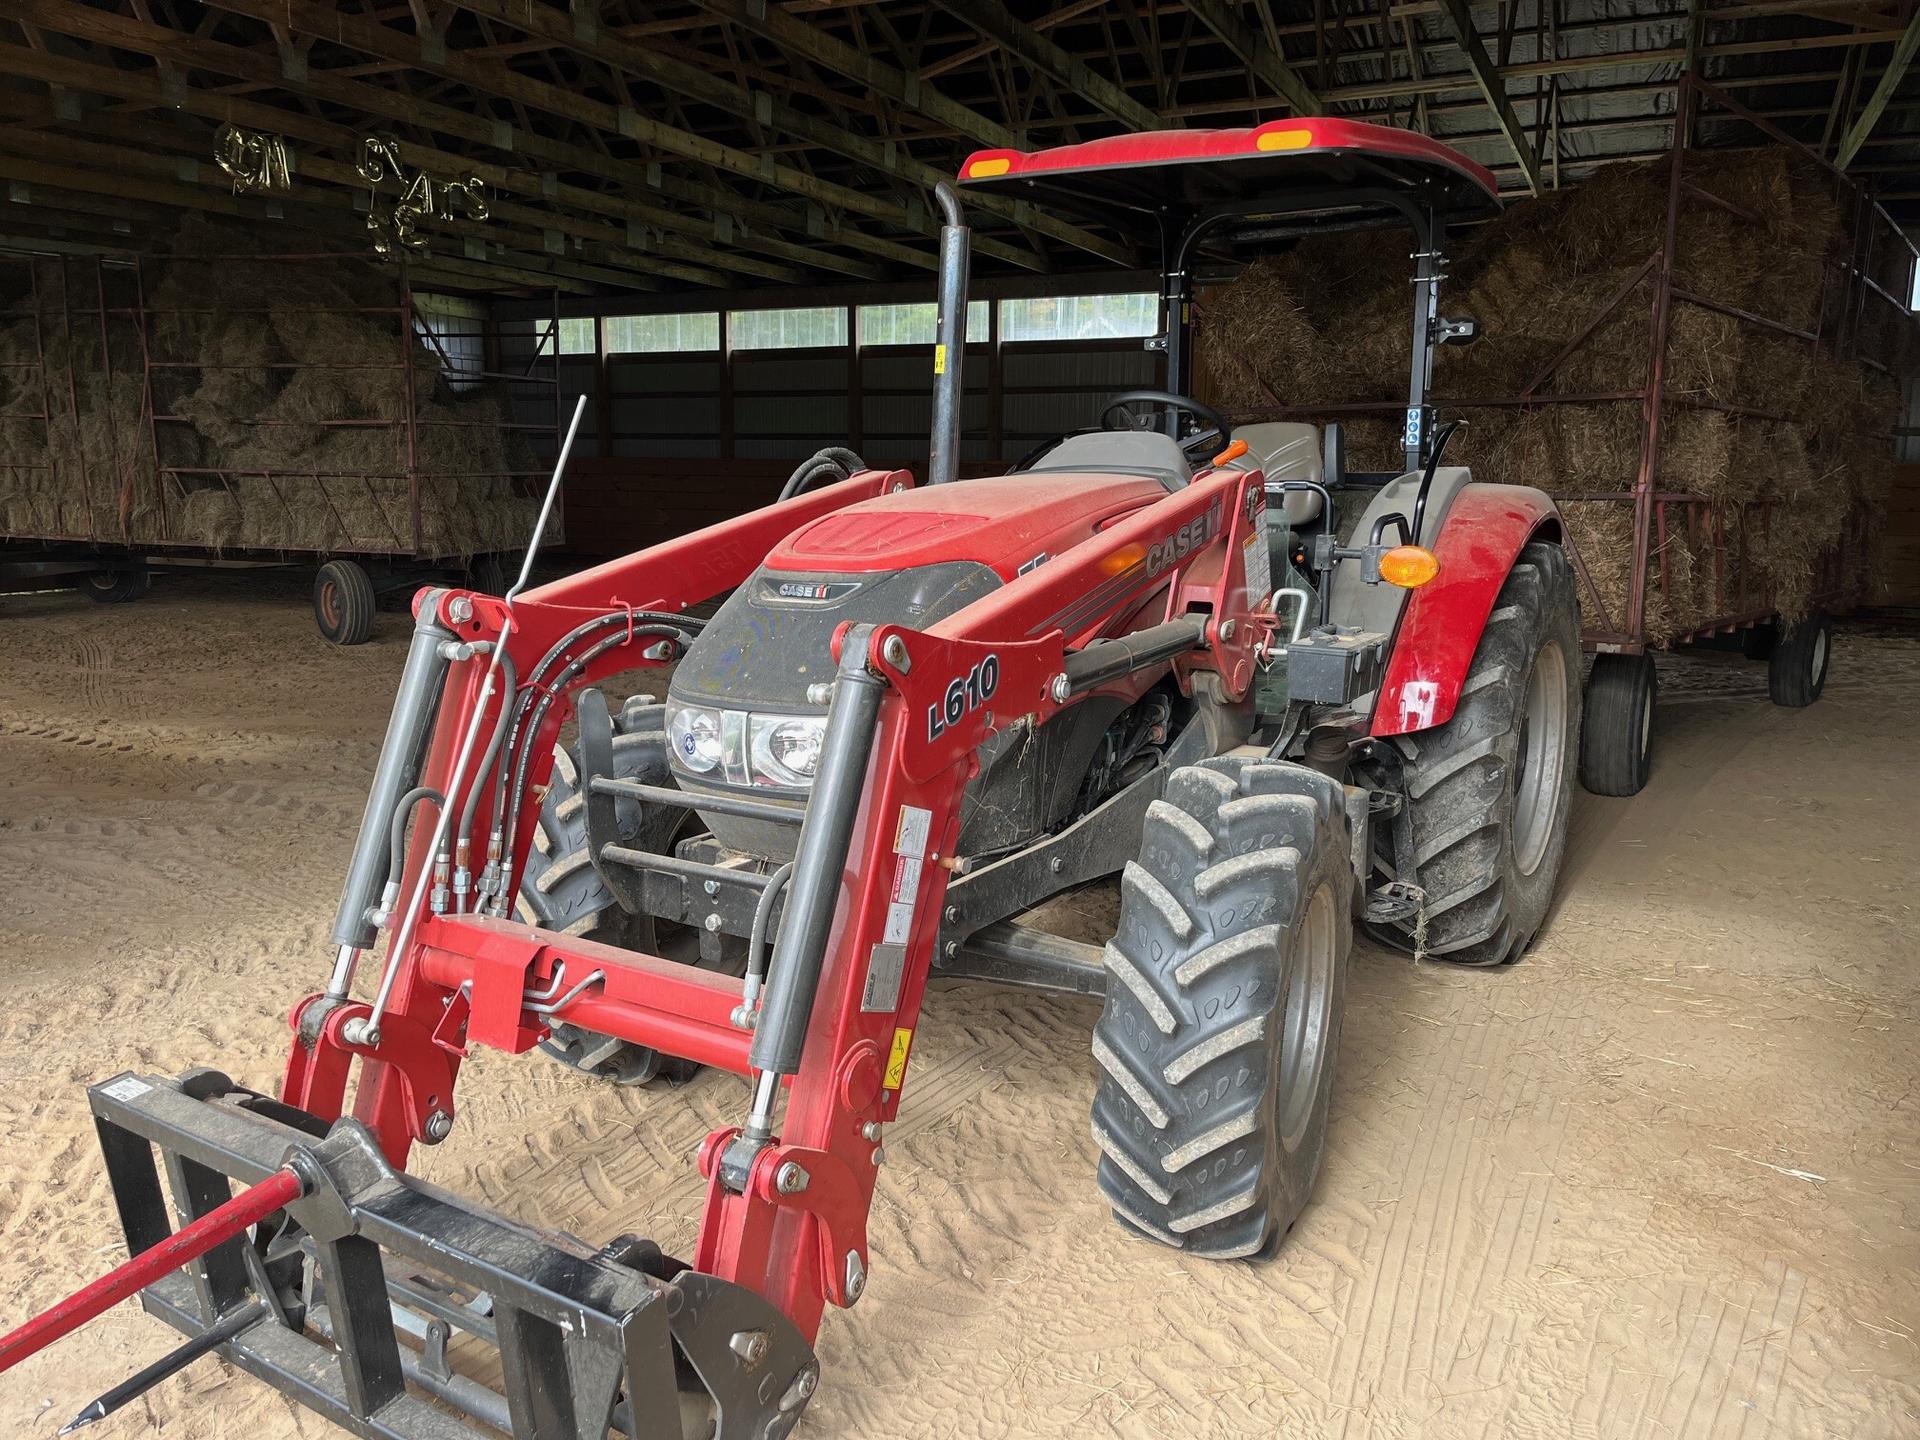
1408 566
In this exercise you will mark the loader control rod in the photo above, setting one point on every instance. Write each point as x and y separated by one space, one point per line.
178 1250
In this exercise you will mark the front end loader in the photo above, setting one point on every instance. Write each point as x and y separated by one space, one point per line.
1276 697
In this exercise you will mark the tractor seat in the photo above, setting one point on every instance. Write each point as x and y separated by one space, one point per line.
1286 450
1119 452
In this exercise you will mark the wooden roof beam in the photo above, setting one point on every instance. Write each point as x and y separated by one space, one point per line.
796 37
122 32
1493 87
1260 56
525 230
996 23
121 188
493 77
143 91
760 107
1890 79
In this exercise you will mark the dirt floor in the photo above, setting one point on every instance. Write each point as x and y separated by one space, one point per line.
1661 1178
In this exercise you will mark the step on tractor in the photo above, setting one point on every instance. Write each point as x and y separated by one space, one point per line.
1278 698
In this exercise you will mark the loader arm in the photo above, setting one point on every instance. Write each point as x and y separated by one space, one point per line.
998 664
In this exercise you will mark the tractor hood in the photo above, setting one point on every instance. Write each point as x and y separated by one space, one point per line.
1007 523
911 558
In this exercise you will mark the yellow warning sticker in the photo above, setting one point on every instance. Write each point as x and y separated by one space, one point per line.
939 359
897 1058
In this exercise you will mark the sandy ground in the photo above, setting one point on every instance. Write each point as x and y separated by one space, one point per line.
1659 1179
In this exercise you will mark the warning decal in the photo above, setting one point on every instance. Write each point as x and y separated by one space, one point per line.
897 1059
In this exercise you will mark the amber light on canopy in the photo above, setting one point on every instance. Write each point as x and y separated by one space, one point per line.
1290 139
1408 566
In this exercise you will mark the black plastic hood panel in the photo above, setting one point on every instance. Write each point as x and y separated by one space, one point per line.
771 639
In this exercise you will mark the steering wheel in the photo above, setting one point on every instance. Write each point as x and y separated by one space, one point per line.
1198 446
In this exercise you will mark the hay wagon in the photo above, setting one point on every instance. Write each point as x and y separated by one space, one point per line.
209 408
1699 357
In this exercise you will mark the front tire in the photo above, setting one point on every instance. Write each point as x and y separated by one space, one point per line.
562 891
1797 669
1489 792
1226 988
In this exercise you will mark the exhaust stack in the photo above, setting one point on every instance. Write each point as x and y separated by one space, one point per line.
950 341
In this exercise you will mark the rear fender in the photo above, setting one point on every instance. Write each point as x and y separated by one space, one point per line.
1485 531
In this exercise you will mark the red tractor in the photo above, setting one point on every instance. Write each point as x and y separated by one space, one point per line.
1275 696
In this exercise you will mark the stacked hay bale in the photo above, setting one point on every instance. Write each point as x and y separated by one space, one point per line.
1325 324
283 393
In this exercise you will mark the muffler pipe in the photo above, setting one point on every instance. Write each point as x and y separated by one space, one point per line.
950 341
401 754
819 868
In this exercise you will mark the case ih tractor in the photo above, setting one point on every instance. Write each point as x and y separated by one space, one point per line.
1278 698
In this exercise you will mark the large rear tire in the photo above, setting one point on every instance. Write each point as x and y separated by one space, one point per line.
1225 989
1489 792
562 891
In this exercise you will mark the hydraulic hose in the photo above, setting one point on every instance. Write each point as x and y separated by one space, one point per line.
546 694
509 698
834 460
757 939
397 839
537 676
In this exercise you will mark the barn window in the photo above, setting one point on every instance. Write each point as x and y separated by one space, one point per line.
914 324
1079 317
662 334
807 328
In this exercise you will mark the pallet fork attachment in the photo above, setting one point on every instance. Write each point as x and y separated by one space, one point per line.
587 1340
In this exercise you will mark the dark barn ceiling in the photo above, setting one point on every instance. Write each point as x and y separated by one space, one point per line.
738 143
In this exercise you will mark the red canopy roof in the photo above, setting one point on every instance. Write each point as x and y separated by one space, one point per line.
1164 168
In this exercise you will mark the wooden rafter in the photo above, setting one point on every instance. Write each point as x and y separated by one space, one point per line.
767 141
1493 87
151 94
754 105
995 22
1258 52
86 23
1890 79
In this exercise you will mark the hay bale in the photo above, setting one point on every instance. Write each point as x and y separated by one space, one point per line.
261 360
1325 324
211 516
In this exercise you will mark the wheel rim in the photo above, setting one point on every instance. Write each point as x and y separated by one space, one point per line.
1306 1015
1646 724
1542 758
330 603
1819 663
104 580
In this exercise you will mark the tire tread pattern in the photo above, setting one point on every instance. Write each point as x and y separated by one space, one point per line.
1459 776
1185 1115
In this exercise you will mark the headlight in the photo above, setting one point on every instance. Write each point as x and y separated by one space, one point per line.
786 750
694 734
739 748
